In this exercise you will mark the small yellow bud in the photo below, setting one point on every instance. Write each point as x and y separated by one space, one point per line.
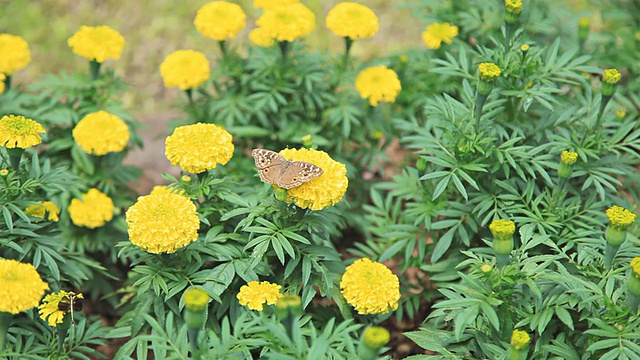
520 339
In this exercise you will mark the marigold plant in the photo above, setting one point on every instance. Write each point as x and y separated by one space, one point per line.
199 147
220 20
100 133
92 211
378 83
185 69
97 43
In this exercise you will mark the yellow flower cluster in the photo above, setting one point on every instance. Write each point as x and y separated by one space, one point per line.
220 20
100 133
47 210
520 339
436 33
620 217
14 54
195 299
287 22
17 131
93 211
611 76
370 287
352 20
255 294
378 83
502 228
489 71
635 266
21 287
323 191
376 336
97 43
162 222
185 69
269 4
569 157
199 147
49 309
513 6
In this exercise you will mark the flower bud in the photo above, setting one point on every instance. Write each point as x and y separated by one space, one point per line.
195 302
610 79
373 338
567 159
519 346
584 24
307 141
513 10
287 305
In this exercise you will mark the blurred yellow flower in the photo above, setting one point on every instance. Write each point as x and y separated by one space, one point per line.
94 210
17 131
378 83
100 133
195 299
520 339
353 20
268 4
287 22
620 217
436 33
513 6
611 76
47 210
199 147
14 54
162 222
376 336
635 266
50 308
185 69
255 294
489 71
370 287
323 191
21 287
3 77
220 20
259 37
97 43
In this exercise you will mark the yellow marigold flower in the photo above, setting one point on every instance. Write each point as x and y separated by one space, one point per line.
569 157
3 77
378 83
185 69
620 217
17 131
162 222
195 299
21 287
268 4
513 6
199 147
287 23
94 210
489 71
436 33
220 20
255 294
260 37
46 210
635 266
502 228
100 133
370 287
520 339
15 54
611 76
50 310
323 191
97 43
353 20
524 47
376 336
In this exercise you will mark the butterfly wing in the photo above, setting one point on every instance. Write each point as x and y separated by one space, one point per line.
269 164
298 173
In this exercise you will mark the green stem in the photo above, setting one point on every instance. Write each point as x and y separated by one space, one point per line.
633 301
94 69
609 254
15 154
192 334
480 101
284 49
7 83
5 321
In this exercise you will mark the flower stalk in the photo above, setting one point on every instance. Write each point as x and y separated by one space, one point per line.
633 294
610 79
94 69
488 72
288 309
195 316
5 321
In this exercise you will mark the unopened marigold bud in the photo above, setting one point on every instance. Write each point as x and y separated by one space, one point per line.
633 296
513 10
520 339
185 178
373 338
4 172
288 304
307 141
502 231
489 72
610 79
584 24
567 159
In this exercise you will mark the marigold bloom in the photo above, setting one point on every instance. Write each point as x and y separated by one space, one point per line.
199 147
287 23
100 133
513 6
352 20
569 157
21 287
47 210
17 131
220 20
502 228
524 48
49 309
520 339
97 43
620 217
93 211
185 69
611 76
260 37
195 299
378 83
376 336
162 222
436 33
489 71
323 191
14 54
268 4
370 287
255 294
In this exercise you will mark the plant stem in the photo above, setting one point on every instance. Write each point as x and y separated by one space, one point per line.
94 69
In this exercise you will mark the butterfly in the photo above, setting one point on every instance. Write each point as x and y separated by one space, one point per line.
70 302
275 169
